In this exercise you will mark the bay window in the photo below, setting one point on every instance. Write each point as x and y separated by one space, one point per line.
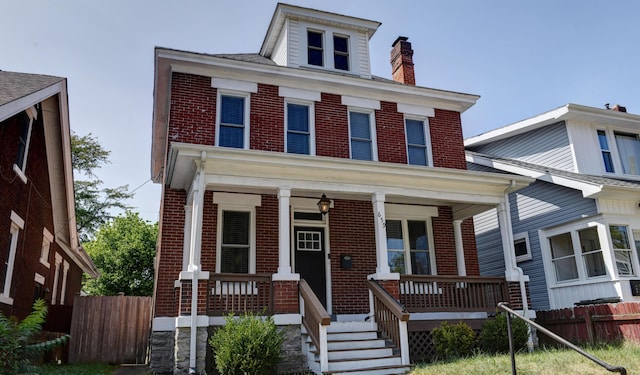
622 249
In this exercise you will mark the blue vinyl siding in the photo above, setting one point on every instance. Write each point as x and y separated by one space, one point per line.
537 206
548 146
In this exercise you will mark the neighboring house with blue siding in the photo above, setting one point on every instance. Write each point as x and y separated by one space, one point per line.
576 230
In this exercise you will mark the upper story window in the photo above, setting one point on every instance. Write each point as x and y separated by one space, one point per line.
417 144
26 120
315 50
629 152
340 52
362 135
299 128
233 126
606 151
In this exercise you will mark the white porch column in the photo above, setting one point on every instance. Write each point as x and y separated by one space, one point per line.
457 235
382 259
284 231
197 200
186 256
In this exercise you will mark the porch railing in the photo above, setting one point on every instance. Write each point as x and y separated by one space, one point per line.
234 292
315 319
391 318
452 293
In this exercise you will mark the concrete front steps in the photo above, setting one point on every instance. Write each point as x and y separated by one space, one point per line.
356 349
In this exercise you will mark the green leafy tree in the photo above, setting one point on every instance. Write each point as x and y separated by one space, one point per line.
94 202
123 251
16 339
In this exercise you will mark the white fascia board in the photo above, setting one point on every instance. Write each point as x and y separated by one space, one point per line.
79 258
587 189
9 109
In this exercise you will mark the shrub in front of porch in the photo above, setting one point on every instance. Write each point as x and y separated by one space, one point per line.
453 340
247 344
494 337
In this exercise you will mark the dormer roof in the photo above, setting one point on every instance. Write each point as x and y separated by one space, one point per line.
286 11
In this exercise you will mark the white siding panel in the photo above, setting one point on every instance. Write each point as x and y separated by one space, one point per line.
279 55
361 58
584 138
548 146
294 43
616 207
567 296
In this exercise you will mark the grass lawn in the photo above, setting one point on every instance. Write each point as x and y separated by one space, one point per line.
540 362
77 369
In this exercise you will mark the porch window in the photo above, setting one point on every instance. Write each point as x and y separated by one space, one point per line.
298 129
592 252
622 249
416 142
234 257
606 151
629 151
362 136
563 257
410 256
232 129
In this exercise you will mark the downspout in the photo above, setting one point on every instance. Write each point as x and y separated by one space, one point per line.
512 259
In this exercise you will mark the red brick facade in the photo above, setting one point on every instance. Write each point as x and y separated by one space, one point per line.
351 224
31 201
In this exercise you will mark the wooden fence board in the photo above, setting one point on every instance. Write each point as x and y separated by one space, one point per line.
110 330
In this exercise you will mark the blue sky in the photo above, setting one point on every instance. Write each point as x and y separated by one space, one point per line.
522 57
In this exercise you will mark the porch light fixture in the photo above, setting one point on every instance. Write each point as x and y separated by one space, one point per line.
323 204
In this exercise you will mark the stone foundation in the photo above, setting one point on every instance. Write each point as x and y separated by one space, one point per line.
182 345
162 352
293 359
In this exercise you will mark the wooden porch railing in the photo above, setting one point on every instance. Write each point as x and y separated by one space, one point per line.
452 293
235 292
315 319
391 318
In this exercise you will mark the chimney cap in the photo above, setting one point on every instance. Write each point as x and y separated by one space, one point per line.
399 39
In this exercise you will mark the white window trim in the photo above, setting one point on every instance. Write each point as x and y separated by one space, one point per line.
328 47
38 278
312 123
427 136
247 114
618 169
47 239
349 51
58 261
631 250
65 271
525 236
21 169
372 129
17 224
405 239
242 203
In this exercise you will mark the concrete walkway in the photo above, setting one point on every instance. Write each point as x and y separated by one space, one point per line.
132 370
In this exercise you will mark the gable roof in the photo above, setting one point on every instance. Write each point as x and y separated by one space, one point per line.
591 186
568 111
19 91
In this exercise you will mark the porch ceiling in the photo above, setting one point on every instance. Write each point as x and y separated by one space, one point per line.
250 171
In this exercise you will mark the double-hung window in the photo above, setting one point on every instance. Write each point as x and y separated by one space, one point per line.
408 247
6 267
26 120
577 254
622 249
315 50
606 151
235 248
362 135
299 129
340 52
592 252
563 257
417 145
232 128
629 150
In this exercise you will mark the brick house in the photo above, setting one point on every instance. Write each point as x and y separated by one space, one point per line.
39 250
249 148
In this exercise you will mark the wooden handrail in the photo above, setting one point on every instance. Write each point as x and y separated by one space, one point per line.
394 307
452 278
314 314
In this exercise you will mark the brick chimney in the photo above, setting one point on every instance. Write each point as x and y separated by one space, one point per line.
402 61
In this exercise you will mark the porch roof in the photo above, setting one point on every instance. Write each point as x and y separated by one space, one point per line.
262 172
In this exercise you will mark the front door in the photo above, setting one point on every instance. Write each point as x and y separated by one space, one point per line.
310 259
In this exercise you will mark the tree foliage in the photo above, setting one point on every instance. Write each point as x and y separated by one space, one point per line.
94 202
123 250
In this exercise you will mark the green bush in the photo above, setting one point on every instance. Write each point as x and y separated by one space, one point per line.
16 339
494 337
247 344
453 341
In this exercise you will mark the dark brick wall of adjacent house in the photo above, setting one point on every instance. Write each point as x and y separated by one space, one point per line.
32 202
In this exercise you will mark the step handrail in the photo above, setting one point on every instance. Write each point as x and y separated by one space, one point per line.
315 319
391 318
504 306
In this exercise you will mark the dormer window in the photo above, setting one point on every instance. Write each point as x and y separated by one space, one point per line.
315 51
341 52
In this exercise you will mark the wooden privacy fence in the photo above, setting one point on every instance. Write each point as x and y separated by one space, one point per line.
591 324
111 330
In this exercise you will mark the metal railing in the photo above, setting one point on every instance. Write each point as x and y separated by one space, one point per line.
503 306
452 293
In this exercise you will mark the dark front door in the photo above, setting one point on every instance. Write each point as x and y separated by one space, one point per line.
310 259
